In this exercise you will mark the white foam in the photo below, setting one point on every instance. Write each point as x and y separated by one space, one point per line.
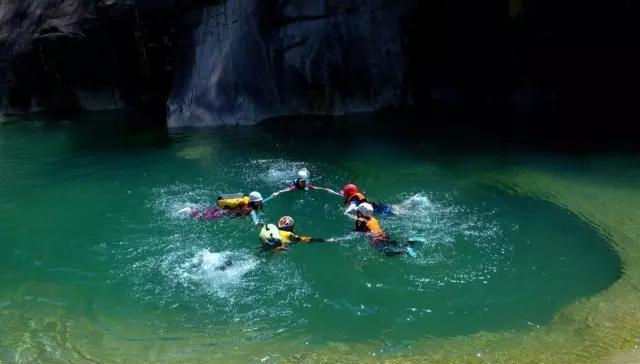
185 211
179 200
278 171
440 223
416 203
208 269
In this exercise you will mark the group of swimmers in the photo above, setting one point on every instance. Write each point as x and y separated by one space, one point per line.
280 237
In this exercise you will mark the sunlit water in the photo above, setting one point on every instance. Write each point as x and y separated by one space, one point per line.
89 229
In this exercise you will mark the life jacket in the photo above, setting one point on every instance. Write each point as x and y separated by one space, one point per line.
286 236
358 197
370 226
232 201
270 237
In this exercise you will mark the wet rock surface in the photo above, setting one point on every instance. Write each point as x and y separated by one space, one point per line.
208 62
251 60
74 55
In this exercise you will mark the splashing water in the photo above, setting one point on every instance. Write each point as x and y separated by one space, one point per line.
219 273
94 231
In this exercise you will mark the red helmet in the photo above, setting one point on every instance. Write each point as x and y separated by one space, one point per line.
349 190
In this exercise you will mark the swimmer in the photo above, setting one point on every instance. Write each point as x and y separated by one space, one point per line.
281 237
366 223
353 198
222 267
235 205
302 184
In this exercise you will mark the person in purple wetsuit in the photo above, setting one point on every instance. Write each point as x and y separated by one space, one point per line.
302 184
210 213
249 206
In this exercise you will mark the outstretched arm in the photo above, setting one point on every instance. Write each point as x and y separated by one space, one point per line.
328 190
309 240
275 194
255 218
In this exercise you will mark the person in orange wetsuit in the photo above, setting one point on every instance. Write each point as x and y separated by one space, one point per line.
366 223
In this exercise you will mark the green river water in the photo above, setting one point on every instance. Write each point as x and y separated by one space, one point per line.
96 265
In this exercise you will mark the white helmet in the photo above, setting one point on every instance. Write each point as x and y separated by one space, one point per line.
255 197
365 209
303 174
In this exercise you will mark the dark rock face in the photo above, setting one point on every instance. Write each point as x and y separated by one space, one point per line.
71 55
27 30
249 60
238 62
24 22
213 62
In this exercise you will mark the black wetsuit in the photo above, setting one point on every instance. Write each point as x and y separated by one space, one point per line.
381 243
390 247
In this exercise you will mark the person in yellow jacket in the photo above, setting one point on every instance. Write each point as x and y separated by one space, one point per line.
247 206
233 205
279 238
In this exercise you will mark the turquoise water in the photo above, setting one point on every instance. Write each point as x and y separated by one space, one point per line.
90 237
